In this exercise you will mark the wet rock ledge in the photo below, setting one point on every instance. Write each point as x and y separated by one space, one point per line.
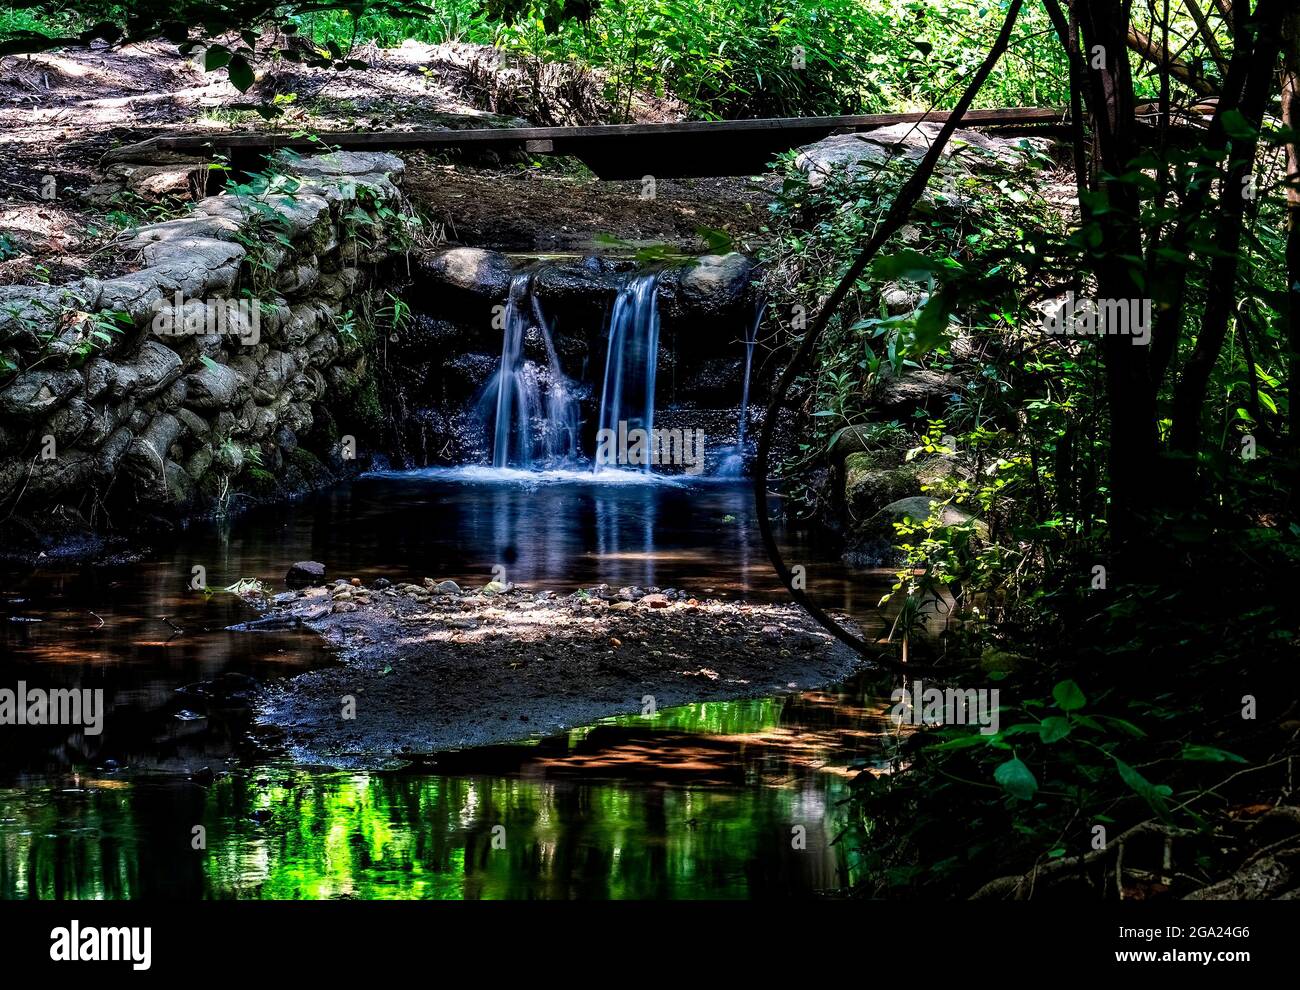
432 667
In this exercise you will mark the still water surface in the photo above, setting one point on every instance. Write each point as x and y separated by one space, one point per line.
707 800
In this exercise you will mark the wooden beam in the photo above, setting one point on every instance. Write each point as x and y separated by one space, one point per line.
613 151
502 135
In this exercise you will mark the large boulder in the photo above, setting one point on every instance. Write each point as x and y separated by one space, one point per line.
147 454
33 395
305 574
577 283
367 176
153 368
70 423
299 216
216 386
198 266
917 389
917 509
31 314
715 285
861 154
872 482
474 271
349 164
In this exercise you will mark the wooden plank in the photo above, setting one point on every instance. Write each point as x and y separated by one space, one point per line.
1015 116
617 151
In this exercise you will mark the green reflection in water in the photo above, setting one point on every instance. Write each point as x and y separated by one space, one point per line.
713 717
584 816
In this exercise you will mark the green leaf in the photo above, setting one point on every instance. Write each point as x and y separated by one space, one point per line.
1068 696
1210 754
1054 728
1123 725
1237 127
932 322
961 742
241 73
718 241
1016 779
216 57
906 264
1153 794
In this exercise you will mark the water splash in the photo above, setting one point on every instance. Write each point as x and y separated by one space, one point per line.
536 417
481 474
632 358
733 463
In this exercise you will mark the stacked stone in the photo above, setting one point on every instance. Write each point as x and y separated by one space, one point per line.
101 401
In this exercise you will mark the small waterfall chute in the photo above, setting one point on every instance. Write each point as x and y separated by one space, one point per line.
535 414
627 398
733 463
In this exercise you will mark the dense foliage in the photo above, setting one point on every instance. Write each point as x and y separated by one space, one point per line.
1122 592
736 58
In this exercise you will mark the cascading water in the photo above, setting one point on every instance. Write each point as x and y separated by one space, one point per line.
534 409
535 420
733 464
627 398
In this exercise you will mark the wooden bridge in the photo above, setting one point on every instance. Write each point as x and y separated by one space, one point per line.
612 151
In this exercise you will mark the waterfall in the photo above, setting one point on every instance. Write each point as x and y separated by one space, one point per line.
628 394
536 419
733 464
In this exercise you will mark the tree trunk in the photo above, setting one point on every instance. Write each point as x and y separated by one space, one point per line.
1291 118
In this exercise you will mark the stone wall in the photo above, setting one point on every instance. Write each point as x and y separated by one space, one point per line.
232 360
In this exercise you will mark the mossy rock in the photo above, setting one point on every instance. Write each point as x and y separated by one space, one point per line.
868 486
874 479
874 439
324 432
260 483
307 465
917 509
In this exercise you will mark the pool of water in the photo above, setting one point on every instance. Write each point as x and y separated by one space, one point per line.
722 799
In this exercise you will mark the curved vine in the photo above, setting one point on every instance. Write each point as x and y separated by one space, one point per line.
897 216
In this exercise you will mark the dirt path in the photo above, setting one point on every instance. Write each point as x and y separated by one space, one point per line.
432 668
60 112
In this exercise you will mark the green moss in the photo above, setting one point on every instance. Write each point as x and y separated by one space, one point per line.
307 463
260 482
366 407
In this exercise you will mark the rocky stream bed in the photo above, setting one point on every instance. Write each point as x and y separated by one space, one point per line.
431 666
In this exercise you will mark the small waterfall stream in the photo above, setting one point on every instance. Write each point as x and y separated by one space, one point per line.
533 413
733 464
628 394
536 420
